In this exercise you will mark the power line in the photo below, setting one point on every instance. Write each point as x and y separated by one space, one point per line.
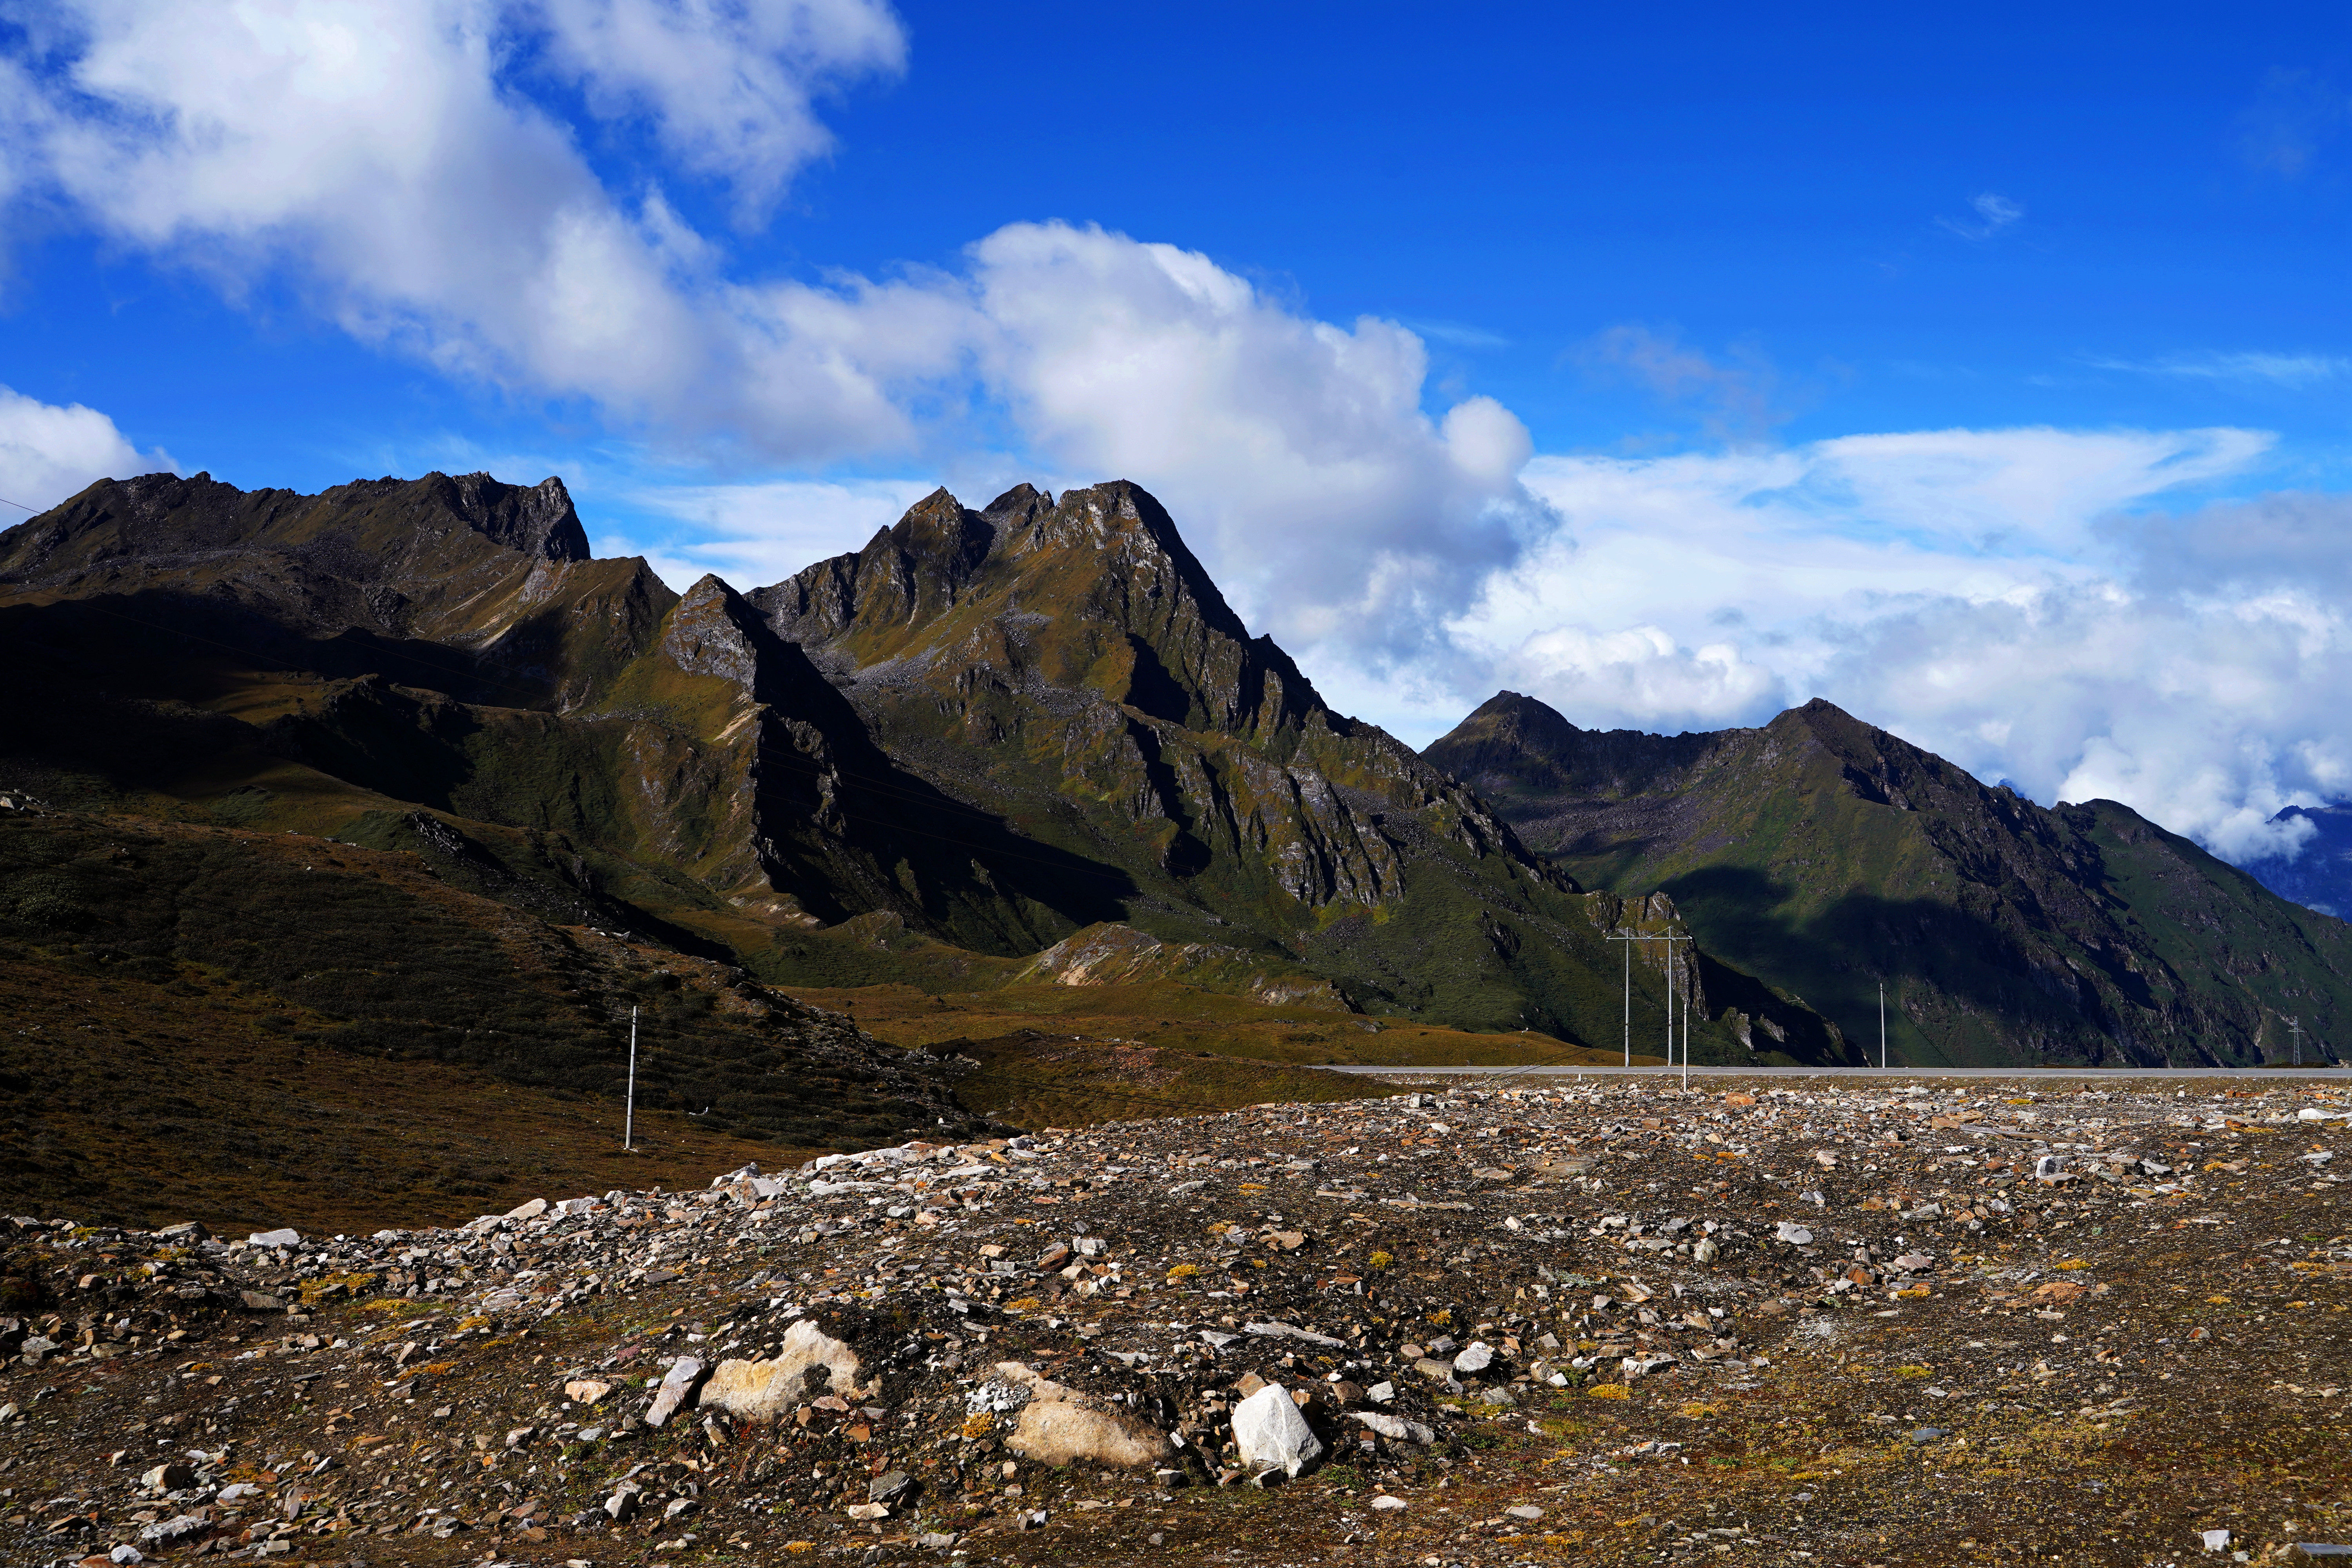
5 501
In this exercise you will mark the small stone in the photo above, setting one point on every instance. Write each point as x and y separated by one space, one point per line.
1792 1233
174 1477
274 1238
259 1302
1703 1250
1912 1263
1053 1258
2215 1540
585 1390
531 1210
1526 1511
1381 1393
935 1541
126 1553
1475 1357
1385 1504
1925 1435
890 1488
622 1506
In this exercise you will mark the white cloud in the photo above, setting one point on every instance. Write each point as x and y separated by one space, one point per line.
1994 213
728 86
1995 596
1295 448
2291 371
754 535
375 149
47 452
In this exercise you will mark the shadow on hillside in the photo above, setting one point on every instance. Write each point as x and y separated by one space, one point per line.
1920 948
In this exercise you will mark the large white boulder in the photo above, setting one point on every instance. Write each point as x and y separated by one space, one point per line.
1272 1434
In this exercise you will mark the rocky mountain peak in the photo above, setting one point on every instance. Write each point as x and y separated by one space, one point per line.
537 519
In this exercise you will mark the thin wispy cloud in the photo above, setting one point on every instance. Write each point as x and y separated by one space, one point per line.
1994 213
1738 396
2287 370
1458 334
2290 121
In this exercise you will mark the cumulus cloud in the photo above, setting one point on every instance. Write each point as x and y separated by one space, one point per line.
729 86
2007 599
48 452
1345 515
377 153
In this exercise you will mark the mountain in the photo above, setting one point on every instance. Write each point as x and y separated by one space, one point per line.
2320 878
1824 855
990 729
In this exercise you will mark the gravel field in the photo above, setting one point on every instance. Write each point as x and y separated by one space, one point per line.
1609 1322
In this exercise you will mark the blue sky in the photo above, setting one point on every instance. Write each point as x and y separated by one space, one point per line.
1986 375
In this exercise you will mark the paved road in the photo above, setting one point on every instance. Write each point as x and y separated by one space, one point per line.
2267 1074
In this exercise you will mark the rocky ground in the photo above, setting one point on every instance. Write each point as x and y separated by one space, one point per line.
1592 1323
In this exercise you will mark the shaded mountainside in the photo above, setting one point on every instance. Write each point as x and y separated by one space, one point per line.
1825 855
150 964
992 730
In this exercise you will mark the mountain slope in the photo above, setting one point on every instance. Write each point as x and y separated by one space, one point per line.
1824 855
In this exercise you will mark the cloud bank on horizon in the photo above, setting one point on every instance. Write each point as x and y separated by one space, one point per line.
2067 608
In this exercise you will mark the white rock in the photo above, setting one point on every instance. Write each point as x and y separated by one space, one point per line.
1792 1233
2216 1539
1271 1434
676 1385
1395 1427
275 1239
1381 1393
1526 1511
531 1210
1388 1505
1476 1356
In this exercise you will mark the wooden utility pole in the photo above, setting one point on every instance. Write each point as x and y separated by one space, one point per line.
629 1117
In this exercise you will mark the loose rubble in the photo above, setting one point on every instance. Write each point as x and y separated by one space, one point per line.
1590 1322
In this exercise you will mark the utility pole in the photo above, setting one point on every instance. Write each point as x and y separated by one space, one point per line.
1881 1026
1629 939
2295 1025
629 1120
1670 939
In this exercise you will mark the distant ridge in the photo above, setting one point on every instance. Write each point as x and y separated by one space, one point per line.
1824 854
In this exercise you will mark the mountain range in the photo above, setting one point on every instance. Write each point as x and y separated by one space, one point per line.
987 732
1832 857
1035 728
